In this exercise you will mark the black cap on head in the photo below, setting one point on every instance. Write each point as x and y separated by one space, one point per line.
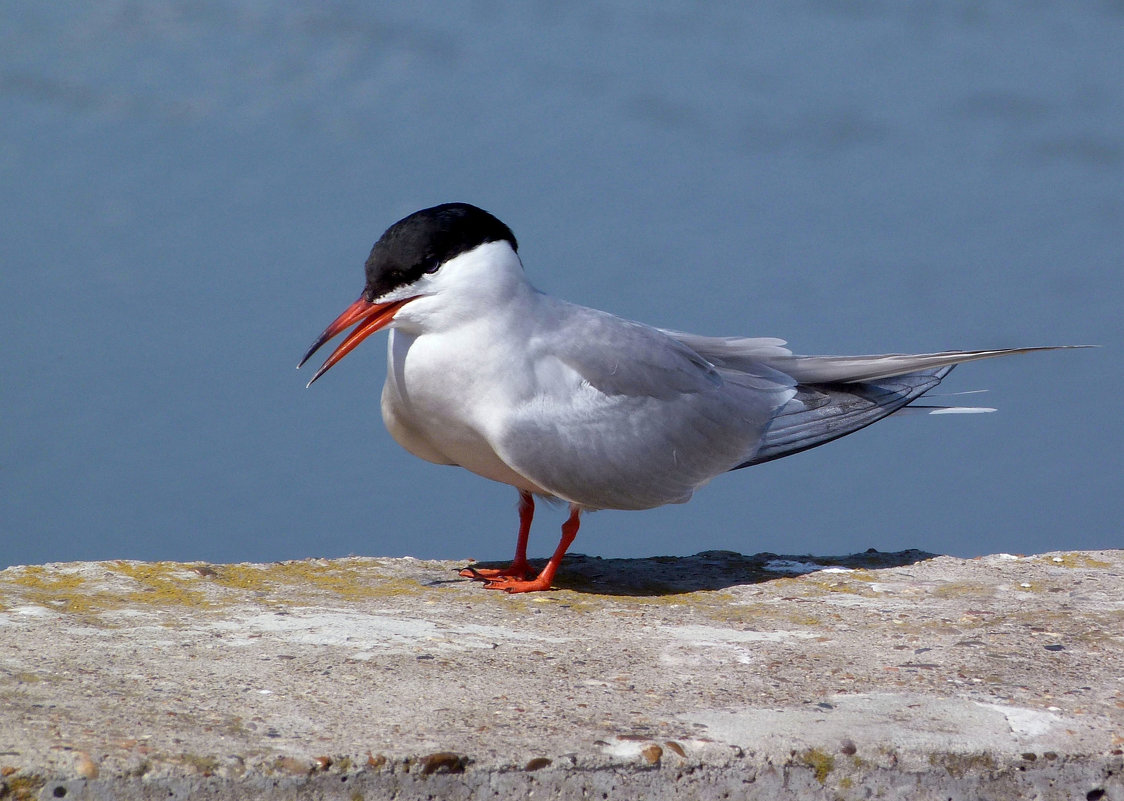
427 239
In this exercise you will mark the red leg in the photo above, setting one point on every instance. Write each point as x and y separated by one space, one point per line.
546 577
519 567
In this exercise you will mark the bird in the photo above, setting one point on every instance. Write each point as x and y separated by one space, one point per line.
572 404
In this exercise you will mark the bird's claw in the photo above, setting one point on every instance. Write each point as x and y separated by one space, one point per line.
515 571
511 584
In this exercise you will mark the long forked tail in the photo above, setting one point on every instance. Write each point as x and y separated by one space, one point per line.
838 395
852 369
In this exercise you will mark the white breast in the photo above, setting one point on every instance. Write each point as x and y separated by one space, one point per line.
445 397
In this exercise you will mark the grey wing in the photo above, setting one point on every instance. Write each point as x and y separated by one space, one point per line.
736 353
647 420
849 369
621 357
821 413
742 352
836 395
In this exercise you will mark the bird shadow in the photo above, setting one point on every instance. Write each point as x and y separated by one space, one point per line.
709 570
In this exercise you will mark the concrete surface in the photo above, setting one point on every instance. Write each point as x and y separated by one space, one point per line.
714 676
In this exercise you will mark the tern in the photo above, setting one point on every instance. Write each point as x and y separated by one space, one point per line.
574 404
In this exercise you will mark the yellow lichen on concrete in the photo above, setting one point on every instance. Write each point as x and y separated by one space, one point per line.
203 765
835 585
162 583
347 581
60 591
821 763
129 584
1072 560
37 577
22 787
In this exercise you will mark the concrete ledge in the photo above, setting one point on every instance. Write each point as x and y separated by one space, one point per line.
714 676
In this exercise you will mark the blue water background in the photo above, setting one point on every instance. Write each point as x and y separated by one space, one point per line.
188 191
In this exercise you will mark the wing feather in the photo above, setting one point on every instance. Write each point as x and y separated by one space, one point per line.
645 420
821 413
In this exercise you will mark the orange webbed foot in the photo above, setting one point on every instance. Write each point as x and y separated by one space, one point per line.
514 571
510 584
514 579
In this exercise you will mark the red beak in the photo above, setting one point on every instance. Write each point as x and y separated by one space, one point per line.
370 316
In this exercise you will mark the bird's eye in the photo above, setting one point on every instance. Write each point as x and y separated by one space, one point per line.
431 265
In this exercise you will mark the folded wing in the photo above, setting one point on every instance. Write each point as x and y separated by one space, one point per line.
835 395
